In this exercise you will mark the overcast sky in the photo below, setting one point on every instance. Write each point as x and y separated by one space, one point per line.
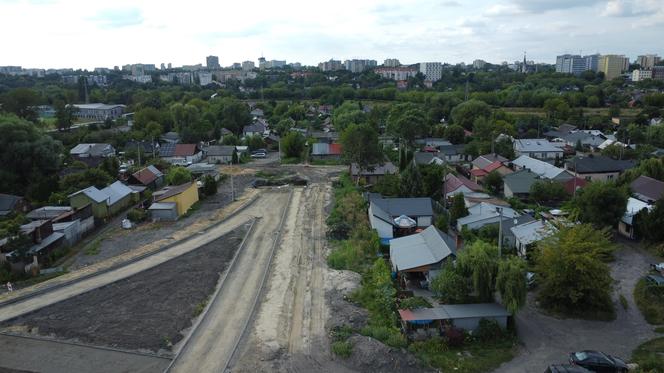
88 34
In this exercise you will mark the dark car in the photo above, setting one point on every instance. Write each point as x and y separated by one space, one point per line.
597 361
565 368
655 280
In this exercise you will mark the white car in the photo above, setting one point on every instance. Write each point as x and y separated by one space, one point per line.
258 155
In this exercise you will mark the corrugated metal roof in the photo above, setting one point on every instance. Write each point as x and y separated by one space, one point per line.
116 192
420 206
162 206
532 232
541 168
427 247
455 311
320 148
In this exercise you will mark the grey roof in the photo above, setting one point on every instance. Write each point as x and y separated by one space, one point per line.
46 242
456 311
7 202
535 145
452 149
486 159
256 127
93 150
48 212
509 223
405 206
585 138
220 150
598 164
167 150
93 193
422 157
98 106
155 171
520 181
173 136
111 194
648 188
63 225
162 206
541 168
532 231
427 247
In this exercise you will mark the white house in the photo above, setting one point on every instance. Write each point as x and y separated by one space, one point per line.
537 148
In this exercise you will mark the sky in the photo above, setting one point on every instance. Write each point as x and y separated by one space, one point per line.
88 34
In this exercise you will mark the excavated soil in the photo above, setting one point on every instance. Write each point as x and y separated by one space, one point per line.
147 311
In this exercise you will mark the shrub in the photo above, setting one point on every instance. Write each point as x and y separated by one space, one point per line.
413 303
341 333
137 215
650 302
431 346
397 340
342 348
488 330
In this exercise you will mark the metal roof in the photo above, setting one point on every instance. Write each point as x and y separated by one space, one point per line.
532 232
48 212
634 206
541 168
162 206
405 206
598 164
650 188
53 237
535 145
520 181
455 311
427 247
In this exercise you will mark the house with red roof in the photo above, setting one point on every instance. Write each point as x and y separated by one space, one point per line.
455 184
180 154
149 177
478 174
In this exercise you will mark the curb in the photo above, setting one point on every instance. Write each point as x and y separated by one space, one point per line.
125 263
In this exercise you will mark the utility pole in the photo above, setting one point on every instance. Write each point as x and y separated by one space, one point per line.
232 189
500 232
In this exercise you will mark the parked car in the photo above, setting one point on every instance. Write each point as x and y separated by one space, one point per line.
258 155
566 368
597 361
659 267
261 150
656 280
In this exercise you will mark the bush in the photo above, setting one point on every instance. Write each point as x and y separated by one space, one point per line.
397 340
137 215
341 333
342 348
488 330
413 303
650 302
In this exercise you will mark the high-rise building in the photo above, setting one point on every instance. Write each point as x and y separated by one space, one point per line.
479 64
391 62
570 64
358 66
592 62
204 78
212 62
612 65
658 72
648 61
170 65
236 66
331 65
274 64
396 73
432 71
261 63
638 75
163 66
248 65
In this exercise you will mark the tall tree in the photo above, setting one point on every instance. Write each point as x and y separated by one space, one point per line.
65 115
450 286
600 203
178 176
360 146
511 283
465 113
458 209
292 145
479 262
22 102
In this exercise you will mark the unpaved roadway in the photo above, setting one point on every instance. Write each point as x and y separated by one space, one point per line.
213 341
261 207
289 333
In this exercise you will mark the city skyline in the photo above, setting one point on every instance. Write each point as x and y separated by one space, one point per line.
95 35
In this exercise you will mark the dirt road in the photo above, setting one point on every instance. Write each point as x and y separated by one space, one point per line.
289 333
213 341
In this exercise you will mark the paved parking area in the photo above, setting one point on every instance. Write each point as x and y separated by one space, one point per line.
547 340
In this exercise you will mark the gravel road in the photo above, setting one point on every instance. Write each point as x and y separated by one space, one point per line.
547 340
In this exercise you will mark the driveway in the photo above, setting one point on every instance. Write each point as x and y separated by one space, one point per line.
547 340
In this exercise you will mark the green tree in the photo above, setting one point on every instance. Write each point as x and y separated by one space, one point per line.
493 182
178 176
480 263
230 139
407 122
432 179
388 185
458 209
511 283
21 102
292 145
543 191
600 203
255 142
360 146
65 115
649 223
571 275
209 185
347 114
231 113
455 134
467 112
96 177
411 182
450 286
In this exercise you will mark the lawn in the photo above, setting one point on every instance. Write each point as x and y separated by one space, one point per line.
650 356
650 301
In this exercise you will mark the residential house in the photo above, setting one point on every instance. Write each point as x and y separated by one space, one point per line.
71 230
626 224
199 170
163 211
149 177
518 184
324 150
463 316
146 148
219 154
486 159
574 184
257 129
508 237
543 169
562 131
105 202
257 113
483 214
587 140
433 142
180 154
424 158
49 213
454 153
385 213
414 257
374 173
92 151
184 196
597 167
647 189
478 174
528 234
170 138
457 184
10 203
537 148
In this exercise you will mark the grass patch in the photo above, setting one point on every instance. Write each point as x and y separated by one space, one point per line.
650 301
200 307
650 356
342 349
474 357
623 302
93 248
195 207
290 160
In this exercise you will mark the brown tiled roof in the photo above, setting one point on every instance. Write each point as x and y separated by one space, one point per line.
183 150
144 176
171 191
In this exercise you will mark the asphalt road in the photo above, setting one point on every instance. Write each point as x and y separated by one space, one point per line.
547 340
212 343
10 311
40 355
